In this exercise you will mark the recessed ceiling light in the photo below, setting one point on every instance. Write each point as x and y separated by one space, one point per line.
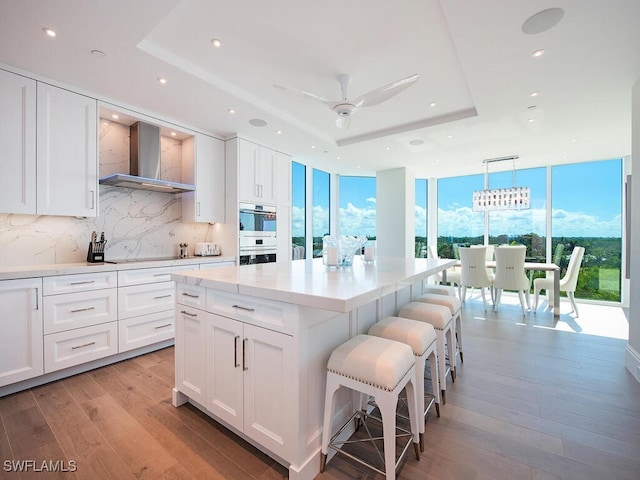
542 21
538 53
534 94
114 116
231 111
278 132
258 122
173 134
433 104
98 53
387 148
574 140
162 80
416 142
449 136
312 147
49 32
337 158
531 120
216 42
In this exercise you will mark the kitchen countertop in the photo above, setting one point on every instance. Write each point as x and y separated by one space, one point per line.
309 283
30 271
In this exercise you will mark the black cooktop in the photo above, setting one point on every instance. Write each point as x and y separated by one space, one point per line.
137 260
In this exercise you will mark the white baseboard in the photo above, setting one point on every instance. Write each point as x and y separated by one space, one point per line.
632 362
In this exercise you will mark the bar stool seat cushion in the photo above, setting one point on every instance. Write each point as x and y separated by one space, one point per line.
440 290
418 335
375 361
437 315
452 303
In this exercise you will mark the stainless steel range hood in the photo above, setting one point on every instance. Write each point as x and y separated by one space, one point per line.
144 164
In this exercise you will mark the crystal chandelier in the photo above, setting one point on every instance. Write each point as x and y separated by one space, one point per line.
513 198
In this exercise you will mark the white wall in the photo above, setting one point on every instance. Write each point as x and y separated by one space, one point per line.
632 357
136 223
395 212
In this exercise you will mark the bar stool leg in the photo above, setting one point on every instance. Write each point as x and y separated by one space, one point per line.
435 380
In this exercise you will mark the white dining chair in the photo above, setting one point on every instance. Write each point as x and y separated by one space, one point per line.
473 272
510 274
568 283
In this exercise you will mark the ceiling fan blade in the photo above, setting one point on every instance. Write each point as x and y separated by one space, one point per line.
343 122
305 94
382 94
344 80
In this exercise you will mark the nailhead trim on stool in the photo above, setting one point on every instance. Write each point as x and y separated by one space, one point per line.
421 337
380 368
441 319
455 307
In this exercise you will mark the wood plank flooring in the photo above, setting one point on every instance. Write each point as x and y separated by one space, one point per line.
530 402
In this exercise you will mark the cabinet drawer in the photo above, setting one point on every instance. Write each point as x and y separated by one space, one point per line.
66 349
82 309
150 275
145 330
81 282
144 299
278 316
192 296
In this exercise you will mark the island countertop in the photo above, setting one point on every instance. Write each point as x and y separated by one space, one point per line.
309 283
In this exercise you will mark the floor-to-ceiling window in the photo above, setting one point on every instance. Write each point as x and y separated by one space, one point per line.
421 218
458 224
587 211
320 212
298 208
358 206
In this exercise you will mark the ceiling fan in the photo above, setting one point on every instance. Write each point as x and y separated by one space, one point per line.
345 107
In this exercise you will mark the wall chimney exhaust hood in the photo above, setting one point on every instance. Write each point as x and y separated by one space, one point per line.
144 164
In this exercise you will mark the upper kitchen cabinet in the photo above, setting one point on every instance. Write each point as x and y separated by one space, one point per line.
203 164
67 153
17 143
256 173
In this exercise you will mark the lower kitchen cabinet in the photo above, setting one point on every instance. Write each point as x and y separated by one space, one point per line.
145 330
21 323
239 372
81 345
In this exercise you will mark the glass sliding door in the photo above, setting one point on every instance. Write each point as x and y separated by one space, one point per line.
320 210
298 209
458 224
587 212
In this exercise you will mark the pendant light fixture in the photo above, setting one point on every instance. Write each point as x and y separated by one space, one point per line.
514 198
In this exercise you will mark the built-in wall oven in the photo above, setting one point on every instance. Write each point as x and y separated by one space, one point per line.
257 233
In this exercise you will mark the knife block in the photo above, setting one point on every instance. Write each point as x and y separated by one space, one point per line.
94 257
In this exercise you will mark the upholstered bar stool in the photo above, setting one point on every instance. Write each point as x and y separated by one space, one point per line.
379 368
421 337
440 290
442 321
455 307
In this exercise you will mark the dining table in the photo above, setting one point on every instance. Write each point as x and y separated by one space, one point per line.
533 266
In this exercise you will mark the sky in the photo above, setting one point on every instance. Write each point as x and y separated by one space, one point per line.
586 203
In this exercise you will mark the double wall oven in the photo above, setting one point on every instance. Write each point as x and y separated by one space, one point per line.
257 233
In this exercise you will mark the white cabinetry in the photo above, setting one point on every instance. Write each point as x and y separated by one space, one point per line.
246 380
17 143
146 306
256 173
80 313
21 324
203 165
67 153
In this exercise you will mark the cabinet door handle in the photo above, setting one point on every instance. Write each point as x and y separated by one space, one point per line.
256 189
244 308
235 351
163 326
93 199
83 309
159 274
82 283
37 300
83 345
198 210
190 314
244 354
161 296
190 295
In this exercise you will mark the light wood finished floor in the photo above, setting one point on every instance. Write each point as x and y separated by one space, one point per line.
530 402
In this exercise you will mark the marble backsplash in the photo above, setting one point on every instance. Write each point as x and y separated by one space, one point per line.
136 223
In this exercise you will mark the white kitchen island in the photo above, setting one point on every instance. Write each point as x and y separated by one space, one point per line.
252 343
